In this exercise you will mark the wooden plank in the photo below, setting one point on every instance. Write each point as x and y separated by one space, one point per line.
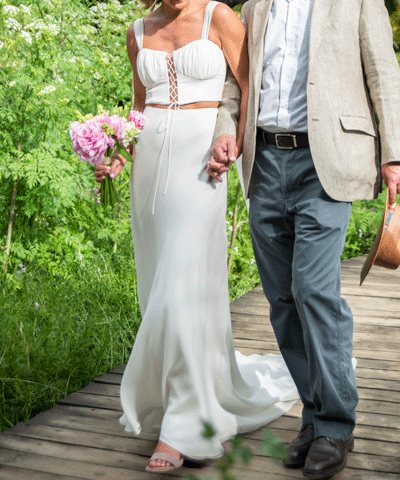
380 304
388 333
260 323
60 466
370 432
373 364
359 308
388 348
105 441
94 401
120 369
383 395
254 321
365 414
142 447
364 393
109 378
14 473
98 421
358 352
370 447
377 374
356 460
101 389
376 293
96 456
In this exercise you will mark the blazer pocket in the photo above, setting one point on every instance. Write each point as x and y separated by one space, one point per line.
357 124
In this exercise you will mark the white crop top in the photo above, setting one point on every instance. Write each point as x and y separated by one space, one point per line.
199 68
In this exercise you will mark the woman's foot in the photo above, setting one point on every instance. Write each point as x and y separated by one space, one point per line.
164 459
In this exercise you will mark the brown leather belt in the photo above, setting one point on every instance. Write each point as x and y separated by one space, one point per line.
186 106
285 141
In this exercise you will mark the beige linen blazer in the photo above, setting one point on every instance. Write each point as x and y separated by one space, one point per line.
353 77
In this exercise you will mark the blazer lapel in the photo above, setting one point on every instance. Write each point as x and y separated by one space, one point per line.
261 14
319 23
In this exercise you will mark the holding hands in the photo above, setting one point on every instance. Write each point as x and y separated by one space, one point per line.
222 155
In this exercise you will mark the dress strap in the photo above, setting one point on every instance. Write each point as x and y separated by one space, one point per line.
138 29
207 18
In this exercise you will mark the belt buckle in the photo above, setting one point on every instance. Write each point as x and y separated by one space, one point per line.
285 135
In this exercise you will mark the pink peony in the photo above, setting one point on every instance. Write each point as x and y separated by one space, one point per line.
137 118
118 125
89 141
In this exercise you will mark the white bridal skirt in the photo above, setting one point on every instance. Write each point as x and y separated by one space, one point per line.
183 369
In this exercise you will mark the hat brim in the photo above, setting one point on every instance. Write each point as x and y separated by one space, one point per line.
369 261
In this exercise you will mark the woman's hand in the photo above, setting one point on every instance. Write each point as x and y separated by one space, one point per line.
112 170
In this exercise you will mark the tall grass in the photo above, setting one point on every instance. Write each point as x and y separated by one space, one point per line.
57 335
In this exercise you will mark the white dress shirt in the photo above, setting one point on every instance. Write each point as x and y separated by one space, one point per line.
283 97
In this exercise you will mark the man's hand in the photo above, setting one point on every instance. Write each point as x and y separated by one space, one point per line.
223 153
391 177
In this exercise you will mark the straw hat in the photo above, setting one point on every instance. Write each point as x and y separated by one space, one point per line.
385 251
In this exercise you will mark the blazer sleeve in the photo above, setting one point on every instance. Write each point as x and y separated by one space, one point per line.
382 74
228 109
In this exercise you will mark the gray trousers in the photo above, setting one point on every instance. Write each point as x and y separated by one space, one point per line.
298 233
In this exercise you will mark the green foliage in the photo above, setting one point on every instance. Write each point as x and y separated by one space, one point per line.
364 224
58 334
243 273
57 57
391 5
395 22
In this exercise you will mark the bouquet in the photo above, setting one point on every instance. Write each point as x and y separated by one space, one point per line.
95 138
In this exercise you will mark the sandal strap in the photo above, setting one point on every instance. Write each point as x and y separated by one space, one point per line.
176 462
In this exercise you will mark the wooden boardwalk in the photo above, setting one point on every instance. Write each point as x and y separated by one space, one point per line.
81 437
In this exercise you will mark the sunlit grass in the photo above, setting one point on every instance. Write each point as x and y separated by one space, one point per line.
58 335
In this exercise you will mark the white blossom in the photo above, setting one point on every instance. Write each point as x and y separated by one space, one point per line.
12 25
1 44
97 76
41 27
47 90
12 83
10 10
25 9
27 36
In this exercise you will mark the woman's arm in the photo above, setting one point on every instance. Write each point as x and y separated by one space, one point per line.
138 88
118 161
232 36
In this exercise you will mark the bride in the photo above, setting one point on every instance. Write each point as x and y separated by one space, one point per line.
183 369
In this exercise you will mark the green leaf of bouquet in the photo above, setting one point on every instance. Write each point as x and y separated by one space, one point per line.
123 152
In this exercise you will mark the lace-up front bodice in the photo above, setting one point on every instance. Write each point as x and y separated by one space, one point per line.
193 73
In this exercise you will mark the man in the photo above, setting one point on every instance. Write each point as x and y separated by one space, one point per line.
319 72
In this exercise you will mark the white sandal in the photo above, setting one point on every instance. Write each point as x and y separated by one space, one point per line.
168 457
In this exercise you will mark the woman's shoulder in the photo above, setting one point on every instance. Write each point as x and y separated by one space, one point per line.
223 14
131 41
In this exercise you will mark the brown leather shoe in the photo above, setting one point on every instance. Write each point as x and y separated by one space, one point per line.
327 457
300 446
